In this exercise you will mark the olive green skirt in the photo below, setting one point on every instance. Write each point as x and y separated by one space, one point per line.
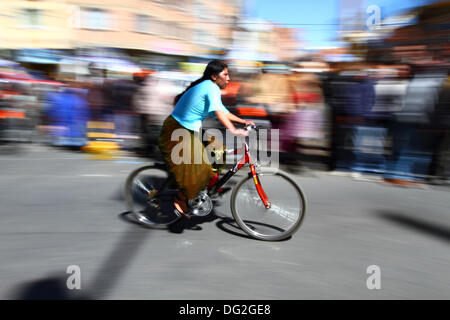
184 158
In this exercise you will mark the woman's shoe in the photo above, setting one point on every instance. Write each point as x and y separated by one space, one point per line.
180 212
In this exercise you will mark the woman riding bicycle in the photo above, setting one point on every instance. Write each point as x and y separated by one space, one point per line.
200 100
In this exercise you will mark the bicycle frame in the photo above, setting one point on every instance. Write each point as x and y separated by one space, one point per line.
246 159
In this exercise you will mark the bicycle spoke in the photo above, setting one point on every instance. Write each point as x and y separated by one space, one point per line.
139 183
151 205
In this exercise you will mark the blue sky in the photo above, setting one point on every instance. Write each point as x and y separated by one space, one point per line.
322 14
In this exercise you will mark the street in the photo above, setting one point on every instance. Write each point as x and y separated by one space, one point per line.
60 208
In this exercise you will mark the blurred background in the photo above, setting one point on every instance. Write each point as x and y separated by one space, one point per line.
352 85
358 89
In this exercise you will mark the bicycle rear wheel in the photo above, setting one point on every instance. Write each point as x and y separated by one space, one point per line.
285 214
149 197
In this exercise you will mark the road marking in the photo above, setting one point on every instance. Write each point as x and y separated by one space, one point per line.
72 158
38 159
133 162
184 244
95 175
290 263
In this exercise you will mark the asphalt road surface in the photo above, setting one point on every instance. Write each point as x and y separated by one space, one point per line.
64 225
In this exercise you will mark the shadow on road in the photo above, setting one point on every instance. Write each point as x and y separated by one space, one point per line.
177 227
51 288
426 227
54 287
230 226
117 261
192 223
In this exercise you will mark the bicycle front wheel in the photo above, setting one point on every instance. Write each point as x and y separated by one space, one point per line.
149 197
286 211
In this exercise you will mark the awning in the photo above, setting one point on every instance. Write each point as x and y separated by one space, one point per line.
8 64
81 65
39 56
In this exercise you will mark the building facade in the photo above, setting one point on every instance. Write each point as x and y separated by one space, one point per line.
186 27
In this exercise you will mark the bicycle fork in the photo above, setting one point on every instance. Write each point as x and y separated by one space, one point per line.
259 188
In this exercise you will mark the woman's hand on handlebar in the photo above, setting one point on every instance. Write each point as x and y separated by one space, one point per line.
226 119
249 122
240 132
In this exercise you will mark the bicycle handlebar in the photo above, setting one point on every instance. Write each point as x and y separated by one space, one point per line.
250 127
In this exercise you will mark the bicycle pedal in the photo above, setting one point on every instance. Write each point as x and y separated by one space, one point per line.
179 214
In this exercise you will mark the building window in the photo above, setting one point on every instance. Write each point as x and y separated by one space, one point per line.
95 19
142 23
202 37
173 30
32 18
184 5
147 24
175 3
201 11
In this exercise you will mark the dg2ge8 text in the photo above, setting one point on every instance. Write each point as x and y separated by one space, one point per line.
253 309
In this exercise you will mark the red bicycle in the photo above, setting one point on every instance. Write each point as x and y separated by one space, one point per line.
266 203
